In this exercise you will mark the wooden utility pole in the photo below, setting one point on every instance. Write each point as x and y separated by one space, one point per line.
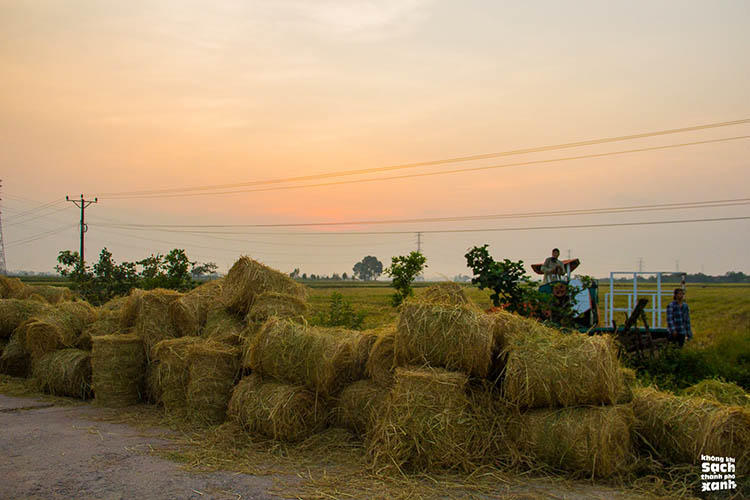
82 204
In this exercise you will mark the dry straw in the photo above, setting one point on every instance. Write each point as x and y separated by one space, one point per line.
379 366
214 368
50 294
453 337
324 360
15 360
681 429
148 313
585 441
13 312
117 364
224 326
248 278
630 382
282 305
171 373
727 393
189 312
276 410
550 369
10 287
426 423
357 406
66 372
58 327
445 294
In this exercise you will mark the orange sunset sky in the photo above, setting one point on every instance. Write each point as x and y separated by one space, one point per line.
109 98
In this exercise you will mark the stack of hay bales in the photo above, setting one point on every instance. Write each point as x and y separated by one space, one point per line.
58 327
170 373
324 360
147 312
429 420
681 429
190 312
565 389
13 312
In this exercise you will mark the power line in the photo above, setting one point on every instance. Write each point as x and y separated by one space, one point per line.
433 231
442 172
556 213
433 162
39 236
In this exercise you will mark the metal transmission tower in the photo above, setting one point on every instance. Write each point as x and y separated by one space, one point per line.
419 242
82 204
3 269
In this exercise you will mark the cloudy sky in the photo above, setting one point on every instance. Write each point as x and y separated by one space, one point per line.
193 116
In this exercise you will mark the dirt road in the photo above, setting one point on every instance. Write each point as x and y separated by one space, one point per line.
68 452
59 452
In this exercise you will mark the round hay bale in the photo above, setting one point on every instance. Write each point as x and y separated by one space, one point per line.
50 294
57 327
13 312
117 364
585 441
282 305
426 423
276 410
681 429
357 406
630 381
189 312
151 311
66 372
324 360
214 368
10 288
14 360
171 373
131 308
248 278
727 393
363 346
107 323
452 337
379 366
447 294
547 370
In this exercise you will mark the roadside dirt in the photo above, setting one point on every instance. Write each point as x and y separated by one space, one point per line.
64 452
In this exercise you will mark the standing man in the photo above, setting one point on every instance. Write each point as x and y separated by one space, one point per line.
678 318
552 268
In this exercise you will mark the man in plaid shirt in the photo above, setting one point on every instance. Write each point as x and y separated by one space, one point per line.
678 318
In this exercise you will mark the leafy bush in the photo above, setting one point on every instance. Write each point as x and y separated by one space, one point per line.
339 313
403 270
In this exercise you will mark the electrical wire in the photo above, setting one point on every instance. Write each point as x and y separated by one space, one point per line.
426 174
557 213
433 162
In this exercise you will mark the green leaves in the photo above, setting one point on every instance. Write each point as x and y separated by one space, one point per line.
403 270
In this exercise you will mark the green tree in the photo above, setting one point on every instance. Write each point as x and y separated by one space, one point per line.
507 279
368 268
403 270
